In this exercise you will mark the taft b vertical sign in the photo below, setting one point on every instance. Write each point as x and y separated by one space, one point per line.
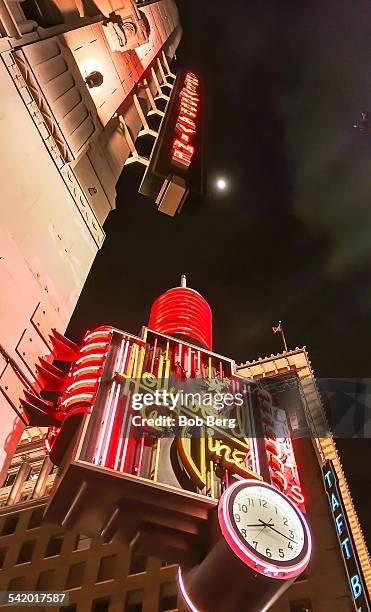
356 582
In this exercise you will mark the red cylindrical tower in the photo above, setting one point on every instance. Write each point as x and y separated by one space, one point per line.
184 313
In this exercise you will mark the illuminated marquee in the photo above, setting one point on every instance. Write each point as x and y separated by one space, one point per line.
166 430
158 364
110 367
161 483
186 122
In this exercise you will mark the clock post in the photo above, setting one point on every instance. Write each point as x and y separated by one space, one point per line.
261 543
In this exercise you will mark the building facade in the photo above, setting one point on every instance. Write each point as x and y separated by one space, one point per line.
39 556
79 82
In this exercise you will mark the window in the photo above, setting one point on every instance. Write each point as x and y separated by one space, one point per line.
138 563
54 546
100 605
133 607
45 580
134 601
25 496
2 556
168 597
26 551
10 524
107 568
36 518
301 606
34 473
75 575
10 479
168 603
82 542
16 584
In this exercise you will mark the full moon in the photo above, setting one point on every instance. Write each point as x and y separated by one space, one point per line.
221 184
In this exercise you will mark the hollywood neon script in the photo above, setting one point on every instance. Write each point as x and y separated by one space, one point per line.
185 127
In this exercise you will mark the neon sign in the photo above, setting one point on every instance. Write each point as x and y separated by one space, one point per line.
185 127
344 534
175 166
278 445
161 483
230 455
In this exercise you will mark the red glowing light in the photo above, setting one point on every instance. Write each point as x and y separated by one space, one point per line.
296 495
185 127
93 347
98 334
184 313
50 437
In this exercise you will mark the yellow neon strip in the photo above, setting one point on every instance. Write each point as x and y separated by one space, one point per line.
157 460
242 444
212 483
203 455
160 367
129 372
134 349
167 372
209 372
142 353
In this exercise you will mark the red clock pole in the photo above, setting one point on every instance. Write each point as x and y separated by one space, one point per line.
233 573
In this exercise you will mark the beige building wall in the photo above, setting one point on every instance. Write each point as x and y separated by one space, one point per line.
39 556
63 148
96 576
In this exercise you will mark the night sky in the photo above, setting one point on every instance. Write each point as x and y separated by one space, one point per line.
291 239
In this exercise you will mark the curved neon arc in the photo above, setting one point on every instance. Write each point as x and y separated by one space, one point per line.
184 592
93 346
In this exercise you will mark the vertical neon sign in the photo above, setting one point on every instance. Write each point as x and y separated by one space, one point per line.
185 127
356 581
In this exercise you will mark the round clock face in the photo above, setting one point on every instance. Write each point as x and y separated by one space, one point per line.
265 529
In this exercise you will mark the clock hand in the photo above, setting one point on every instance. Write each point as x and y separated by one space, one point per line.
264 526
276 530
269 524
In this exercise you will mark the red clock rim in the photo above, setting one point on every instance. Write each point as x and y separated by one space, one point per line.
273 570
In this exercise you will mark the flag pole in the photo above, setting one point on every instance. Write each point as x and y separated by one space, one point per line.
283 336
